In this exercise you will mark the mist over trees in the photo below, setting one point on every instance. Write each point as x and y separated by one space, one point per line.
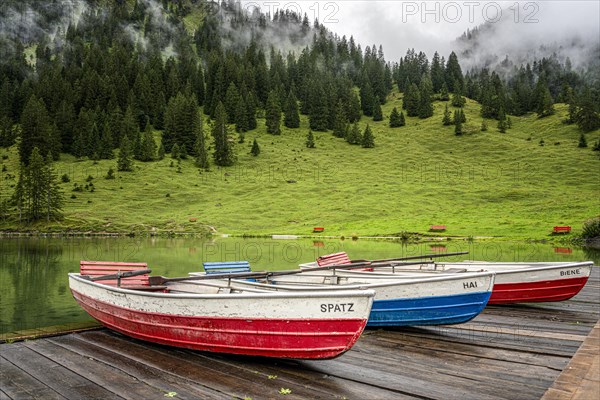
80 78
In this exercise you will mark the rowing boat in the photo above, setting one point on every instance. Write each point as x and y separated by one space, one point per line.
432 300
212 317
515 282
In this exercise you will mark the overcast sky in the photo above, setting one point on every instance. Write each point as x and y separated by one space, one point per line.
433 25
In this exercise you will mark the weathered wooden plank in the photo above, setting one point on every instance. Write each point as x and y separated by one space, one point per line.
153 377
453 373
17 384
237 383
581 378
102 374
53 375
295 372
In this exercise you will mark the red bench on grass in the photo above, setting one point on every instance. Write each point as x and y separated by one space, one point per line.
318 229
561 229
437 228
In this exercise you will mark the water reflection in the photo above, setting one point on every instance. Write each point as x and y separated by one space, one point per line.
33 271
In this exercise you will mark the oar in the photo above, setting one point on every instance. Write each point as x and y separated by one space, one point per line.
389 260
118 276
161 280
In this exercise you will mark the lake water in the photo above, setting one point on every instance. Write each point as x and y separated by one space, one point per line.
34 290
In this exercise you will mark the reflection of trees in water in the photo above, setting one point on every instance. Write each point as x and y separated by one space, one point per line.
31 272
592 254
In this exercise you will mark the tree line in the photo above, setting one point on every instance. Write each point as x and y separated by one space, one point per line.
107 83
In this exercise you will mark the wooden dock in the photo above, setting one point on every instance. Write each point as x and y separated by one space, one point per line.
508 352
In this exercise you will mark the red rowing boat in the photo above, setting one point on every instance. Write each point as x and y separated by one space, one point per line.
210 316
514 283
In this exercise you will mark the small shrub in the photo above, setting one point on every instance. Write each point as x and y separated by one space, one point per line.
89 178
65 178
5 156
4 169
110 174
168 195
591 228
73 196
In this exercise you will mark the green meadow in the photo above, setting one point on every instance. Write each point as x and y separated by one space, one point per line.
480 184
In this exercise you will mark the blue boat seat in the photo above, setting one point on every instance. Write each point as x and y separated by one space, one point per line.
227 267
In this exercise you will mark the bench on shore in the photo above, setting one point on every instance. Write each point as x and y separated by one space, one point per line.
95 269
318 229
437 228
561 229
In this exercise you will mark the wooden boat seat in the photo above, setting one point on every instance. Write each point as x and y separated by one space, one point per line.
340 258
225 267
455 270
100 268
228 267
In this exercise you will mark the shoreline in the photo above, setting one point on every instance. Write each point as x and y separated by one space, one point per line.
414 237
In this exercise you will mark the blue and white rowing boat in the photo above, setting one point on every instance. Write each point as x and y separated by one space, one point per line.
437 300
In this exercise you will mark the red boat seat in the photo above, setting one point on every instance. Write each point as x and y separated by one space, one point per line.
340 258
333 259
99 268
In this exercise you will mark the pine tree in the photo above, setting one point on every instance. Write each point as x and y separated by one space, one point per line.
36 130
446 119
367 98
402 119
425 93
484 126
201 156
318 113
241 116
545 104
340 122
38 194
36 185
273 114
444 95
255 151
232 98
368 140
354 135
395 118
458 100
292 116
310 140
106 142
463 117
223 153
454 76
377 113
582 141
412 100
458 130
354 111
176 152
124 161
161 151
588 115
147 145
502 124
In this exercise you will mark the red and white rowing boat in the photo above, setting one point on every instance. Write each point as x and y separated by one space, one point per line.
514 283
210 317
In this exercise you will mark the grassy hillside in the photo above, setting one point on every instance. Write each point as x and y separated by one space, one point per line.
480 184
